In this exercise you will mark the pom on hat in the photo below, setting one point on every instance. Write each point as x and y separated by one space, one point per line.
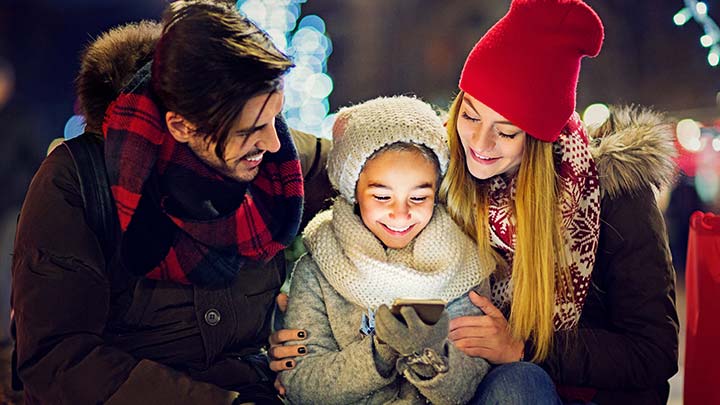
360 130
526 66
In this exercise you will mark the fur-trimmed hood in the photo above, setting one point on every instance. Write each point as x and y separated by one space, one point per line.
634 148
107 65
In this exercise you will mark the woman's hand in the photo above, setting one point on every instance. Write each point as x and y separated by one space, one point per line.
487 336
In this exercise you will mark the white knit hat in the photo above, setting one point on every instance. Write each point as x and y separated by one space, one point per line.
362 129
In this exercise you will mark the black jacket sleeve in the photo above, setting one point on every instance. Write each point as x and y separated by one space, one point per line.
61 299
627 338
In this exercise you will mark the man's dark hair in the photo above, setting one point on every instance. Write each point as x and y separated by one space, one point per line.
209 62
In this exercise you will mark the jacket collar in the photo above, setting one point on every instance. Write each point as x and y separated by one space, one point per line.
633 149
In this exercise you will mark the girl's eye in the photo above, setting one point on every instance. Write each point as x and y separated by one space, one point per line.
467 117
381 197
418 199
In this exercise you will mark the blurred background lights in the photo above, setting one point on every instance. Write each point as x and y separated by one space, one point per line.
7 82
698 11
714 55
716 144
701 8
706 40
596 114
75 126
688 135
307 85
682 16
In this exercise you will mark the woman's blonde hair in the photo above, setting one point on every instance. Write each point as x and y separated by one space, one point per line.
539 270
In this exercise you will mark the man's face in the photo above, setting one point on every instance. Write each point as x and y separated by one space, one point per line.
251 136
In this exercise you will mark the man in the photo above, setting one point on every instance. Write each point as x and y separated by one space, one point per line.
208 187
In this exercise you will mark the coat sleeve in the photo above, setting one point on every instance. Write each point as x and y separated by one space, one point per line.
628 333
459 383
327 374
61 299
313 153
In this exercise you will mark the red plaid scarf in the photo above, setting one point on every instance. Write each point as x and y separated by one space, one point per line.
580 208
142 158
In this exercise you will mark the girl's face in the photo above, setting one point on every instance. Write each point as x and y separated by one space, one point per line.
396 195
493 145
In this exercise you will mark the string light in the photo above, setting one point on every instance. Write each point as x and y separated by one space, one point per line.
698 11
308 85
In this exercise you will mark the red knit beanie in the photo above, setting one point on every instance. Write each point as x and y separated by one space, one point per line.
526 66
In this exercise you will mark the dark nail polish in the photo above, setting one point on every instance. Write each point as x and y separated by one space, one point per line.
301 334
302 350
289 364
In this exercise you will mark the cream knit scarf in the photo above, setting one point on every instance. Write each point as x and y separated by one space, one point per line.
442 262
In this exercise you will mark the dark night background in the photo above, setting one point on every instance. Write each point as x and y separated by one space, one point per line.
381 47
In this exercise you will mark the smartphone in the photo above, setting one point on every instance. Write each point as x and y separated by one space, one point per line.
429 310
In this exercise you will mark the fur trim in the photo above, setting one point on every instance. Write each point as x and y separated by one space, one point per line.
108 63
633 148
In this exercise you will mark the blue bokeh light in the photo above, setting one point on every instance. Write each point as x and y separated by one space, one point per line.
308 85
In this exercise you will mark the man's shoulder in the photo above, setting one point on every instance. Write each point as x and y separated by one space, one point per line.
312 151
59 168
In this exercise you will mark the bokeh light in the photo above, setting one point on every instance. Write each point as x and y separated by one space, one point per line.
595 115
308 85
75 126
688 135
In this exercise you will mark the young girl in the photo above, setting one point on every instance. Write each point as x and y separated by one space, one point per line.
573 227
384 238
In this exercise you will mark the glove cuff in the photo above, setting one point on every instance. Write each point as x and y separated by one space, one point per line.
426 365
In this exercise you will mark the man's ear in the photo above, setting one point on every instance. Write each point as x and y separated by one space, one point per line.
179 127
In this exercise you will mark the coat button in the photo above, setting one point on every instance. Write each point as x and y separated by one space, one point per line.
212 317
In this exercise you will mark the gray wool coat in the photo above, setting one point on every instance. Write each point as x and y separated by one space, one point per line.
340 367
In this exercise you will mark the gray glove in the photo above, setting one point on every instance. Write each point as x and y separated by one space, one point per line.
385 357
413 336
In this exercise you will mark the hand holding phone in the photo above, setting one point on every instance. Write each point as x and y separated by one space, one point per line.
428 310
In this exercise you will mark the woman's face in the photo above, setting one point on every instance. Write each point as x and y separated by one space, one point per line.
493 145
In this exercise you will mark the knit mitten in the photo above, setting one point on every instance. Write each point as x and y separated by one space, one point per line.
421 346
385 357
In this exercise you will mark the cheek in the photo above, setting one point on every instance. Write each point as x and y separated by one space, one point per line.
463 130
519 149
425 212
367 211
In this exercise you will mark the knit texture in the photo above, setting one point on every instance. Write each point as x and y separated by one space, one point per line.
580 210
362 129
139 151
341 366
441 262
526 66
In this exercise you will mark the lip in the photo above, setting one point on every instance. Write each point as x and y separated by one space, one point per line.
483 160
253 161
394 232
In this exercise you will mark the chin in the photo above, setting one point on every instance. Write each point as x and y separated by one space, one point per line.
481 174
245 176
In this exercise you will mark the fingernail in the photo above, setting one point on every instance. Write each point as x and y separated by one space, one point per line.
289 364
301 334
302 350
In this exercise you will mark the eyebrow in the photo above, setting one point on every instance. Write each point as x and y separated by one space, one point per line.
247 131
254 127
467 100
380 185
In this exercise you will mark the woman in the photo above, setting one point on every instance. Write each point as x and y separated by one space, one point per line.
569 225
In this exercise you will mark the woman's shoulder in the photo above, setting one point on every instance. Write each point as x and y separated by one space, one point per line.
633 151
